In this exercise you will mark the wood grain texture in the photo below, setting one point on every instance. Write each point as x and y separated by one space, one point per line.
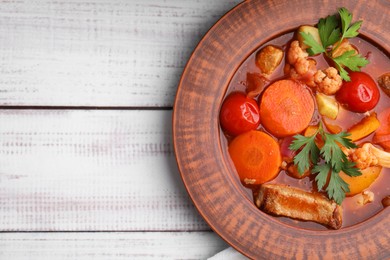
88 170
99 53
131 245
91 170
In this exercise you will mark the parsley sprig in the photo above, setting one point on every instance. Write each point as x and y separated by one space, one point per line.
326 162
332 35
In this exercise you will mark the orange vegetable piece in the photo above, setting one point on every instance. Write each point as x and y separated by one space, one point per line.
332 128
383 140
364 128
310 130
382 134
256 156
292 171
286 107
360 183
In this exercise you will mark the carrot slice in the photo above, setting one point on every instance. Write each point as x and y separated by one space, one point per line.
382 134
256 156
286 107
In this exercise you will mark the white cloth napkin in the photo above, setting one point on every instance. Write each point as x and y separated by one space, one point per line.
228 254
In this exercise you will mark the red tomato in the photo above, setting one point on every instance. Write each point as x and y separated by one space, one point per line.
239 114
361 94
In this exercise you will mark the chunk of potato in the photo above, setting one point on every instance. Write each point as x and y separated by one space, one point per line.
327 106
364 128
268 59
343 47
308 29
358 184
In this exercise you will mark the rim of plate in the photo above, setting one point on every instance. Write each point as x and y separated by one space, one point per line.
210 180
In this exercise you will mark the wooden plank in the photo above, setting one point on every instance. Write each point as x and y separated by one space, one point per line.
91 170
99 53
132 245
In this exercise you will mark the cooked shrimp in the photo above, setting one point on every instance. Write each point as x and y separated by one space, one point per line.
328 81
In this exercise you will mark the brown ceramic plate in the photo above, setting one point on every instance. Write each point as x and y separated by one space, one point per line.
209 177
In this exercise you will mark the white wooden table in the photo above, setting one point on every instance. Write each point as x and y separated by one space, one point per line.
87 168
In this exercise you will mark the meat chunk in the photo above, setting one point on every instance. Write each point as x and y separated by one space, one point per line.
283 200
268 59
384 83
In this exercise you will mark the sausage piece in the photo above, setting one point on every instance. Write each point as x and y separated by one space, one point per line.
283 200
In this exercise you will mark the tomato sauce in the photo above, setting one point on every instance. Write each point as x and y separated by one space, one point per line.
353 213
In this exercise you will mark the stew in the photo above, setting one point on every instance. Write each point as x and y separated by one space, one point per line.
306 123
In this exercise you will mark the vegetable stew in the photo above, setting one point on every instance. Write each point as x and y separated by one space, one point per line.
305 121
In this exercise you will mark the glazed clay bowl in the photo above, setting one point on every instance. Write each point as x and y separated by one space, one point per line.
210 178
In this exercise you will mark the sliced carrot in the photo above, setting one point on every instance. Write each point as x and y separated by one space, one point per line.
286 107
256 156
382 134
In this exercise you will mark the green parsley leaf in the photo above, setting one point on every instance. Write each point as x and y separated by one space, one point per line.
351 60
331 149
343 139
337 187
315 47
353 30
343 73
309 150
322 171
350 169
346 18
332 34
327 162
328 31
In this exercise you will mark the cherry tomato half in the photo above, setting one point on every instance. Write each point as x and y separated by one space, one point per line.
239 114
361 94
